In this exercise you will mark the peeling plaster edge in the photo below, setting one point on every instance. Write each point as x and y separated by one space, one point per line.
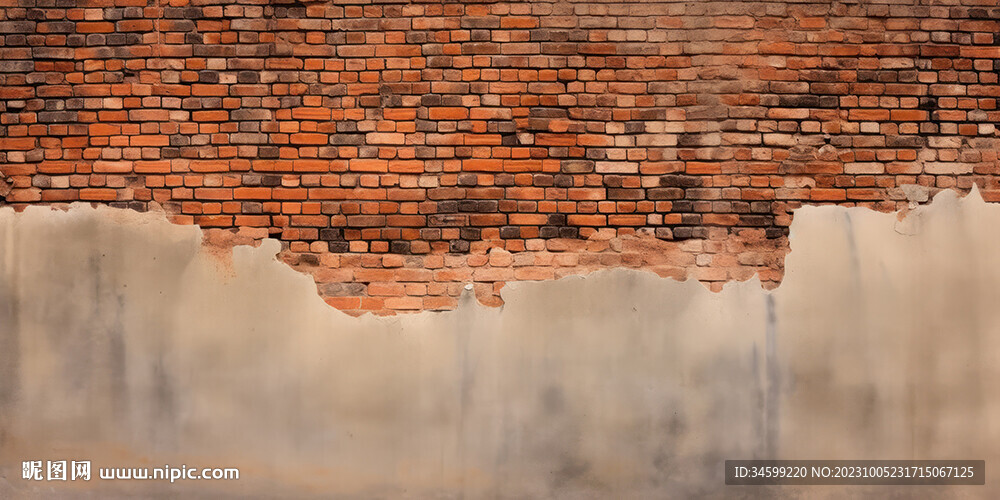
906 222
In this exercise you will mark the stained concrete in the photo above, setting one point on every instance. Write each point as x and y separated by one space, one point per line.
124 343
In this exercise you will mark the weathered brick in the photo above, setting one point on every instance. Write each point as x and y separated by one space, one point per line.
9 27
16 66
52 53
666 193
427 134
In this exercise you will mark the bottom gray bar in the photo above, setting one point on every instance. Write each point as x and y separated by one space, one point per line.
855 472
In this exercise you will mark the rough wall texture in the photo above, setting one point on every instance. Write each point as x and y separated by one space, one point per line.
401 149
124 344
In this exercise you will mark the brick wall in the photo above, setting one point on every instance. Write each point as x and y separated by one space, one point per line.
401 150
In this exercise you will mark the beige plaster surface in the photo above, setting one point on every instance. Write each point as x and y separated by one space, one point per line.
124 343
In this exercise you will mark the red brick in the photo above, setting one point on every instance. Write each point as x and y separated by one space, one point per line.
149 140
252 193
17 143
104 129
396 171
199 89
400 114
151 167
827 194
482 165
95 27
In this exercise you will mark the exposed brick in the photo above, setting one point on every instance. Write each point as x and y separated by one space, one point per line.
401 150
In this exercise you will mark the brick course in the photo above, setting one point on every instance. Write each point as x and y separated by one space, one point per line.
400 150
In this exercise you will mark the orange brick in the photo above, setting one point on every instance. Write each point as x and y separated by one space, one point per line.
213 194
868 114
827 194
908 115
399 114
386 289
17 143
586 220
440 303
149 140
448 113
112 167
307 139
97 194
215 115
627 220
311 114
344 302
482 165
200 89
368 165
252 193
104 129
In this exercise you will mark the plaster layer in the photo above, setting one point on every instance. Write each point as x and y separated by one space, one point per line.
124 343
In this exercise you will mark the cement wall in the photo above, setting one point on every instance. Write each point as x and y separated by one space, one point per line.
124 343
